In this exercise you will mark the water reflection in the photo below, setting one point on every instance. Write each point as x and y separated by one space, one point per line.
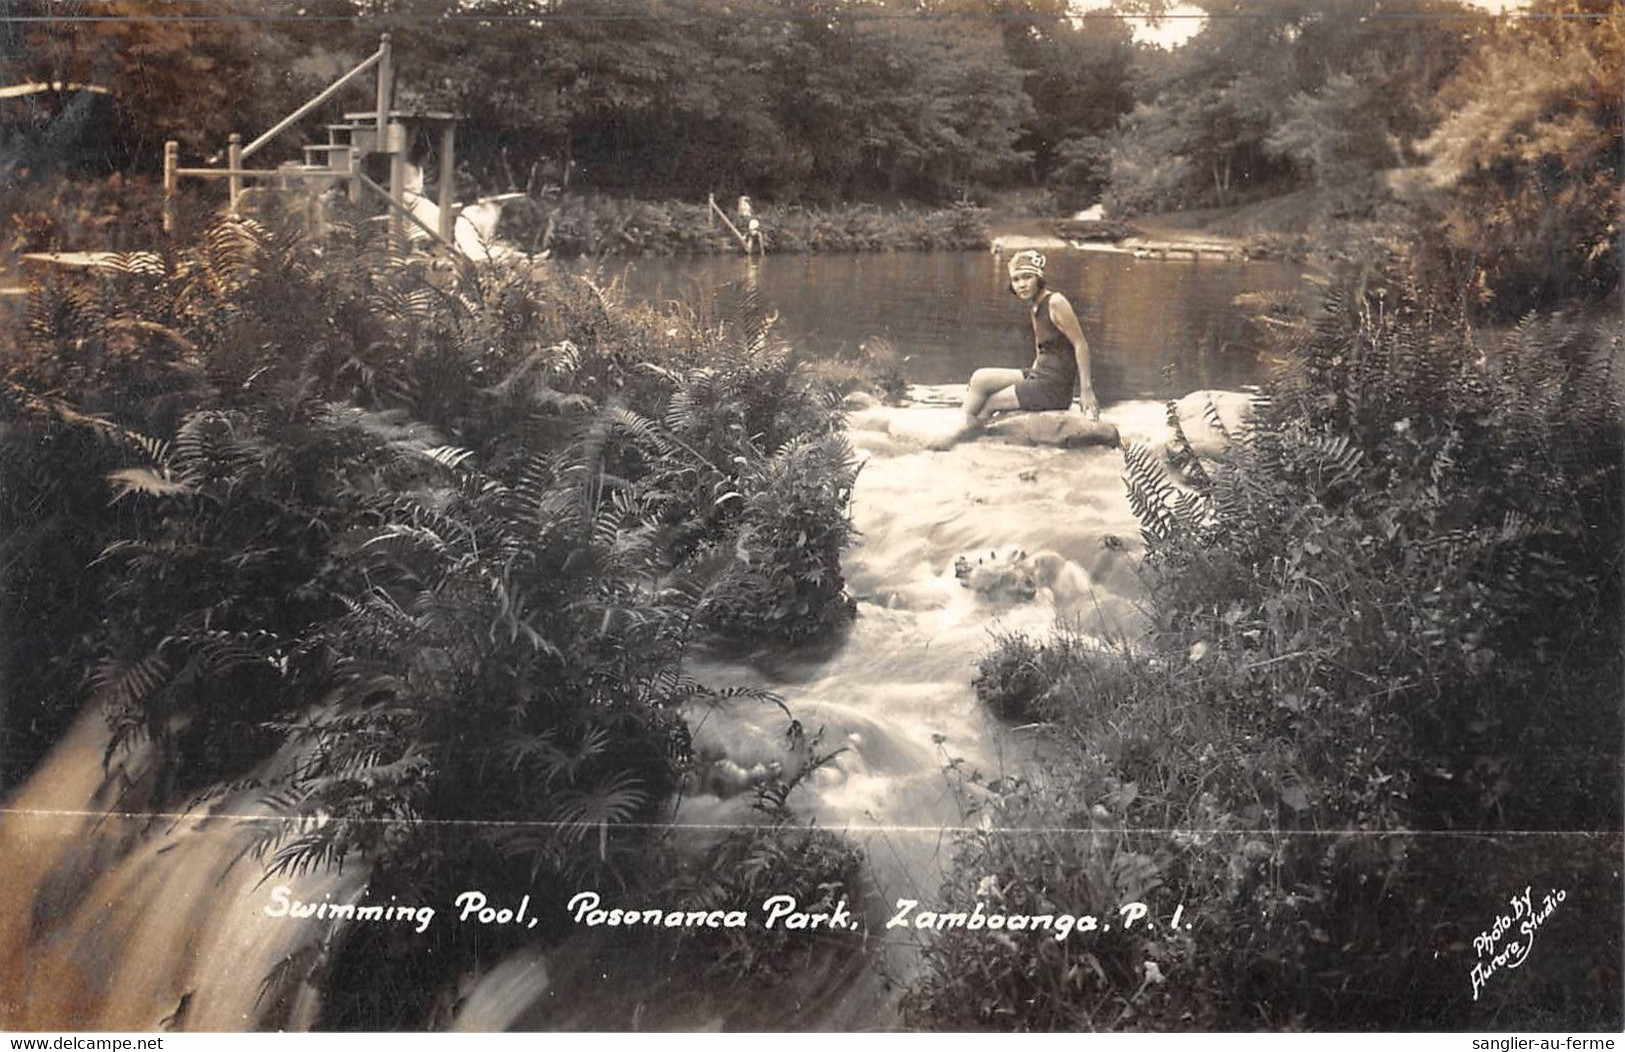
1156 328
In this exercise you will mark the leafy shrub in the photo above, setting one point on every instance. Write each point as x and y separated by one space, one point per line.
793 526
1521 184
1042 849
118 213
776 856
1067 679
875 366
1011 677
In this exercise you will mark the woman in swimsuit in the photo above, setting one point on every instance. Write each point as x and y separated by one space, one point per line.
1061 360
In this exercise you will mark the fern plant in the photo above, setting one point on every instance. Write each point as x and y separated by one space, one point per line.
417 552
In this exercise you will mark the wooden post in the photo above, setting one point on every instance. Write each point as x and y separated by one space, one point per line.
397 179
711 220
448 176
172 158
234 161
385 132
386 86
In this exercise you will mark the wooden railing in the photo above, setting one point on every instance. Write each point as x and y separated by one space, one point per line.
380 58
398 211
711 200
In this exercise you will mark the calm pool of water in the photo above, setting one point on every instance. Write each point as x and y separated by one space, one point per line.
1157 328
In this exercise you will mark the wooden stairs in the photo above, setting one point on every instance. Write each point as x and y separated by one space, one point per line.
343 159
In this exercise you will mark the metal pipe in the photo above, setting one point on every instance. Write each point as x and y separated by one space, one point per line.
724 216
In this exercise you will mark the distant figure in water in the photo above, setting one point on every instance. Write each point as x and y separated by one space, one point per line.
754 245
1060 361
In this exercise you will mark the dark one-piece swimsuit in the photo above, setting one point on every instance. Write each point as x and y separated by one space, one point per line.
1049 384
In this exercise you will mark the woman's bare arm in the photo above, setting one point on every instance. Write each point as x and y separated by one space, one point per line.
1062 317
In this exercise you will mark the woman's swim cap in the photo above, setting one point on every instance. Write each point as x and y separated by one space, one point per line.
1027 263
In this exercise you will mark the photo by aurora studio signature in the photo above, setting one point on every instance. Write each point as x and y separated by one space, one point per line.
775 912
1493 947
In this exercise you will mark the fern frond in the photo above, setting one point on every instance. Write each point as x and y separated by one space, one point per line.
128 684
616 801
452 458
144 480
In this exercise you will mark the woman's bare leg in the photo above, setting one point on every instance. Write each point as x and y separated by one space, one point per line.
986 386
989 391
1001 401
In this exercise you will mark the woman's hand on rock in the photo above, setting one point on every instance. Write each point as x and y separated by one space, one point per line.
1089 404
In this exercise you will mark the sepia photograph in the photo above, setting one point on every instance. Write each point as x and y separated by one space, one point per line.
1019 516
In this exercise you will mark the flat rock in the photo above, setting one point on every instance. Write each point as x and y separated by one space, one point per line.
922 425
1064 428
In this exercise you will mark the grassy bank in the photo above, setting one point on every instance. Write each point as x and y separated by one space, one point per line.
1380 696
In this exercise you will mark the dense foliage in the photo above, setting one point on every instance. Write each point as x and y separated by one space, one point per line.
1278 93
1395 608
1504 136
1523 171
409 543
789 101
417 547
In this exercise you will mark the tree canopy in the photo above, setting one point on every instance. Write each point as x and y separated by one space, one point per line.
786 98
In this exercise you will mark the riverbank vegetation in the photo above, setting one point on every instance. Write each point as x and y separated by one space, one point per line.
599 227
1502 138
1382 633
122 214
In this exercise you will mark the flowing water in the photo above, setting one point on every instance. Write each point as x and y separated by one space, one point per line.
129 922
